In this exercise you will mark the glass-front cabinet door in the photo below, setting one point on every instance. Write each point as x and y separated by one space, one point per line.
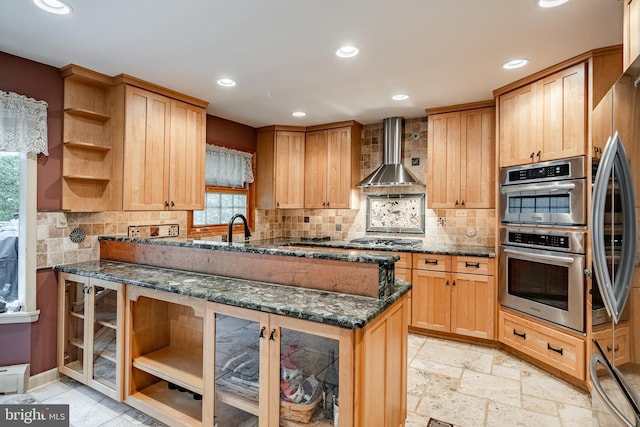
275 371
240 360
106 338
71 325
90 330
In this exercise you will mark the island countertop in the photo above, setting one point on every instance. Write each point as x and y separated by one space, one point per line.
344 310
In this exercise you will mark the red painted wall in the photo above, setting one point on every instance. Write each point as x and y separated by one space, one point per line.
41 82
231 133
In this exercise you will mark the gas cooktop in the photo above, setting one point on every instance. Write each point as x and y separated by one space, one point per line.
386 242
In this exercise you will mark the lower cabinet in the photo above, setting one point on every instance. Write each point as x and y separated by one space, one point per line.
90 332
190 362
454 294
560 350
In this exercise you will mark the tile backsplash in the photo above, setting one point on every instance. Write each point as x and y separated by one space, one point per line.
474 227
54 246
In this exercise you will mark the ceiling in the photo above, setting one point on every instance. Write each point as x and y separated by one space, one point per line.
281 52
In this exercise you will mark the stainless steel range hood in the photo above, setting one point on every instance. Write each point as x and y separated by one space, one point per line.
392 172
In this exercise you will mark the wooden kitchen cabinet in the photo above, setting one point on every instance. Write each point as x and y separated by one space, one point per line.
163 152
190 362
280 168
332 166
461 152
90 332
87 147
562 351
454 294
545 120
168 345
631 32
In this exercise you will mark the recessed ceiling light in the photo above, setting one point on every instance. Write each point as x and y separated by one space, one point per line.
347 51
515 63
226 82
298 114
400 97
53 6
551 3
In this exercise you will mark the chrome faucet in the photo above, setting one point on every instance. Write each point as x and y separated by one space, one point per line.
247 233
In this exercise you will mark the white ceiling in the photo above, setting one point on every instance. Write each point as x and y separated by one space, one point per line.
281 52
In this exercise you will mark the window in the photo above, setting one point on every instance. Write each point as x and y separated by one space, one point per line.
17 237
229 191
23 134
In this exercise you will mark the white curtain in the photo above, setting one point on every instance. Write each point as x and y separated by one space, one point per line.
227 167
23 124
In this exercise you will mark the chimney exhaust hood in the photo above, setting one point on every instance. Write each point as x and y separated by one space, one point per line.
392 172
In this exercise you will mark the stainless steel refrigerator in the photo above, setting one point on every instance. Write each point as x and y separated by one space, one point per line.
615 362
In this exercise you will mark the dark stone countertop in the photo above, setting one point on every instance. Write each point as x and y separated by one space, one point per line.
348 311
283 247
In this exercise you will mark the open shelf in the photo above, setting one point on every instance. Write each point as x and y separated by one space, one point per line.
162 402
106 318
77 342
89 114
86 145
175 365
78 315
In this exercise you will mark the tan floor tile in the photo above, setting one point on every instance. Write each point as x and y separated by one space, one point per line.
574 416
498 389
466 357
541 406
453 407
417 380
499 415
438 368
548 387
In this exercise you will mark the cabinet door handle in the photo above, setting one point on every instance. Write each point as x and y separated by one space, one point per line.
172 204
431 261
446 283
327 204
456 203
559 351
472 264
614 349
277 204
272 335
454 283
166 203
521 335
463 203
531 155
262 332
538 154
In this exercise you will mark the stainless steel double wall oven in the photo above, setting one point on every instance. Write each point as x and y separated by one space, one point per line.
542 240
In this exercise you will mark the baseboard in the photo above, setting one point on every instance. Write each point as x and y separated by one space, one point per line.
43 378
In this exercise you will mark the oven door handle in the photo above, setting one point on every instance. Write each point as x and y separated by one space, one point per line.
536 257
551 187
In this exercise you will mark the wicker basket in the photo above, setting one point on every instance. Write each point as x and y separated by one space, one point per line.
297 411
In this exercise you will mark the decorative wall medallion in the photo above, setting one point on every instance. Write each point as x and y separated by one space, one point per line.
77 235
395 213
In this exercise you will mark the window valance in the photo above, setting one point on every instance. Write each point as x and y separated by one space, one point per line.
23 124
227 167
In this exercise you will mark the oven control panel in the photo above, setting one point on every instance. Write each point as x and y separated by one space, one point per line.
557 171
544 240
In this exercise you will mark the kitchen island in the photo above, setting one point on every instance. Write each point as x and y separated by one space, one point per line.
198 348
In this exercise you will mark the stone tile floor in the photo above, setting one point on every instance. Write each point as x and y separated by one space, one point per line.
461 384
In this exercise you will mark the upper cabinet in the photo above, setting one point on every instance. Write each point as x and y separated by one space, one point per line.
280 164
332 167
544 120
163 145
461 153
130 145
631 32
546 116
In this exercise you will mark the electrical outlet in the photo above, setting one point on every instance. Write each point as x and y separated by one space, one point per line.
461 213
134 231
61 220
415 161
